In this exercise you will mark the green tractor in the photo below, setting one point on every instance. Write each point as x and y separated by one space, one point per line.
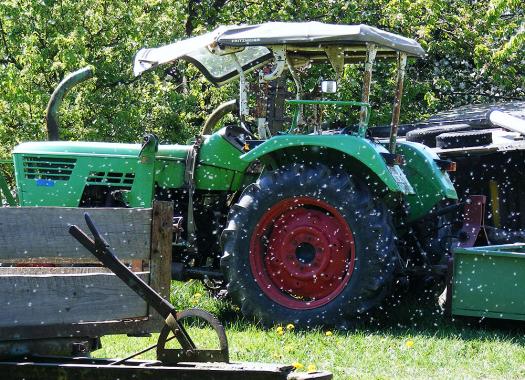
305 219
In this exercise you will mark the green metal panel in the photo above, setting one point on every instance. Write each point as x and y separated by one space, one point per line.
430 183
366 151
219 162
49 189
216 151
141 194
169 174
56 173
489 282
173 152
213 178
53 189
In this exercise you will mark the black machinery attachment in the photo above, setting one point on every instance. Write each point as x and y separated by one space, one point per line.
188 352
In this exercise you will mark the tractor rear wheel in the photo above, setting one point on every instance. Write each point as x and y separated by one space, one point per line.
308 245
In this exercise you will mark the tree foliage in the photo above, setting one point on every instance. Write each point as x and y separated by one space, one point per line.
474 50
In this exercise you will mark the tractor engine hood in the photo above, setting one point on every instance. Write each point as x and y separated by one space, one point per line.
78 148
97 149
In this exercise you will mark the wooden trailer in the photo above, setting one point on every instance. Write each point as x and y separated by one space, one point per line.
58 299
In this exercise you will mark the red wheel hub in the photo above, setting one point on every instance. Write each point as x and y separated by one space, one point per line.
302 253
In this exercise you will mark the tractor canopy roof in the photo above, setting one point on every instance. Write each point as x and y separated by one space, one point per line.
255 45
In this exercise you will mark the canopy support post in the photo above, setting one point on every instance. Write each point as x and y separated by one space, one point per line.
401 66
243 90
367 82
298 88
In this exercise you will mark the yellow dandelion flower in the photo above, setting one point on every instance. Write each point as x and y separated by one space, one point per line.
328 333
197 295
290 327
311 368
298 365
279 330
409 343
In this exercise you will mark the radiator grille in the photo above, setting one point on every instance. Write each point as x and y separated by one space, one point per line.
111 178
47 168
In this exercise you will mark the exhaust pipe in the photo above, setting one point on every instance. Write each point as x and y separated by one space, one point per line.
231 106
62 89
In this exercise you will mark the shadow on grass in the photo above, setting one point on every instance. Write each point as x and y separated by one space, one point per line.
410 314
414 313
417 314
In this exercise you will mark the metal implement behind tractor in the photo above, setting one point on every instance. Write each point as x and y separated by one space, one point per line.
487 282
487 143
307 219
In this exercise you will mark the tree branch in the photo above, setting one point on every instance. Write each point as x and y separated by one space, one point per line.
10 58
192 14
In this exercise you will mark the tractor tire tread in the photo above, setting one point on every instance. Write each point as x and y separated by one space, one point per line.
377 266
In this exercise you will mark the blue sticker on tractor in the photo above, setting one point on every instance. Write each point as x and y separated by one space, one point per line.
45 182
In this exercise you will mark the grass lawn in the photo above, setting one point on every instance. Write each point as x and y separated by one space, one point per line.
411 341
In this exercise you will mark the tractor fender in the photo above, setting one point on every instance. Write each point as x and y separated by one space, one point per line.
365 151
431 184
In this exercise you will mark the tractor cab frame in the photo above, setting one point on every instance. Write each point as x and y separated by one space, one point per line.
231 52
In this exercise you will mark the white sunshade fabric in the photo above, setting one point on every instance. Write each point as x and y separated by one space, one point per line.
254 38
304 33
146 59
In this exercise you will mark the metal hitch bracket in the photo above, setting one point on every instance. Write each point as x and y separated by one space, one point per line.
188 352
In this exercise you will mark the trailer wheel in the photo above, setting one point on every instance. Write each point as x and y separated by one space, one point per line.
310 246
463 139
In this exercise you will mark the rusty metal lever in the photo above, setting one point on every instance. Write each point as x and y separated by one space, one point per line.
100 248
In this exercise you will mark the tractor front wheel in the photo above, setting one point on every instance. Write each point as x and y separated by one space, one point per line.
308 245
